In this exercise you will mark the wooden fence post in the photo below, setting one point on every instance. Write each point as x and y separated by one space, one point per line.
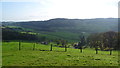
34 46
110 52
81 49
19 45
51 48
65 48
96 50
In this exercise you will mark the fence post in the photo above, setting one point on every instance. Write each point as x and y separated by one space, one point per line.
65 48
34 46
19 45
96 50
110 52
51 48
81 49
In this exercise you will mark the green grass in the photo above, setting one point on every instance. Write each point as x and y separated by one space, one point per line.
69 36
41 56
29 32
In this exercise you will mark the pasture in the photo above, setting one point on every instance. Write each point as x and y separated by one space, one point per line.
42 56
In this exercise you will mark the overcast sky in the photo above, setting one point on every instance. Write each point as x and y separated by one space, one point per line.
30 10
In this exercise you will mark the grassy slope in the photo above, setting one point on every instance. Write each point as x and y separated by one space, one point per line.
71 37
27 57
62 35
66 35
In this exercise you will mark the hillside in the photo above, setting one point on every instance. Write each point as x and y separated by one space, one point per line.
69 29
71 25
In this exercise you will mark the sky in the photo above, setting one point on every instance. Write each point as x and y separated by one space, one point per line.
35 10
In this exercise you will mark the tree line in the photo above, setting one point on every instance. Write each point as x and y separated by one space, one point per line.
10 34
103 41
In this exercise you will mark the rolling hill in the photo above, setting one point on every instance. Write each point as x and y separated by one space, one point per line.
69 29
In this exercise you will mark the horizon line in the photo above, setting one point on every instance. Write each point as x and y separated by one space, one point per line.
55 18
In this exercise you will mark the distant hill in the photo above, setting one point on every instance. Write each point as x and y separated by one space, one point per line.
68 28
71 25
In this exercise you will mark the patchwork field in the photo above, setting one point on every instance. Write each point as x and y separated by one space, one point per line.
41 56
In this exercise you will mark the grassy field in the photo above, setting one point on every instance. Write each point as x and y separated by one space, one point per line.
41 56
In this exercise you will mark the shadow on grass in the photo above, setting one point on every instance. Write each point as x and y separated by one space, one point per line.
43 50
48 50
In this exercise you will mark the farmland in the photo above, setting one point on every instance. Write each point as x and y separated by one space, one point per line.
41 56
